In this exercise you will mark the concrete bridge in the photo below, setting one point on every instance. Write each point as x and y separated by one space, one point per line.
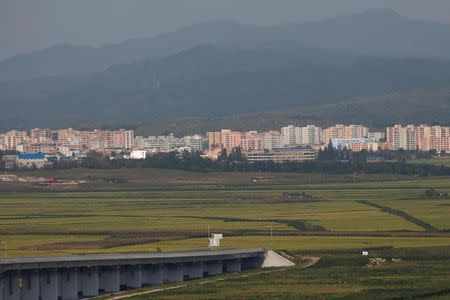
76 277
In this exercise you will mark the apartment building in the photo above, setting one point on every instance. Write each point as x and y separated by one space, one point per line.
41 135
163 143
308 135
107 139
271 140
69 138
251 141
2 142
433 138
196 142
401 137
377 135
341 131
12 139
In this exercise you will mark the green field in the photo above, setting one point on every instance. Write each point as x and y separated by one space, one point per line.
444 161
171 210
163 210
420 274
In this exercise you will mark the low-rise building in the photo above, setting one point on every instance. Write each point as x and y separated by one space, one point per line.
355 144
36 160
280 155
138 154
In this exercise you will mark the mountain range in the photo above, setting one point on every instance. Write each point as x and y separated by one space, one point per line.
344 68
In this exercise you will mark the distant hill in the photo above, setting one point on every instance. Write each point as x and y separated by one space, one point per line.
419 106
374 32
229 79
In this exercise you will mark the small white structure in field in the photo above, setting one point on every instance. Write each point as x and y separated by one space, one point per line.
214 241
138 154
365 253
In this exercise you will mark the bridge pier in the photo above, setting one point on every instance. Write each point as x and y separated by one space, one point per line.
30 285
109 279
1 286
173 273
193 270
232 266
88 282
131 277
213 268
69 284
48 284
152 274
11 286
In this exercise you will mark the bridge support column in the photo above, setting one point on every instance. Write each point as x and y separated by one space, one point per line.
193 270
152 274
173 273
1 287
251 263
109 279
213 268
131 277
48 284
30 285
69 284
11 286
232 266
88 282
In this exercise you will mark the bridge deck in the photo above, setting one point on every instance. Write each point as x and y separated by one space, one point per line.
125 259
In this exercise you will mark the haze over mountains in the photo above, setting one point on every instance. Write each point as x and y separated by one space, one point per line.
225 68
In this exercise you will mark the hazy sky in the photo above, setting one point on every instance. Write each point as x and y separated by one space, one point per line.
27 25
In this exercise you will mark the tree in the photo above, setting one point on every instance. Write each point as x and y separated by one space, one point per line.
236 155
430 193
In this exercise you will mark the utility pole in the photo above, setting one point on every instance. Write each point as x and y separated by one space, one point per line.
271 234
271 231
209 236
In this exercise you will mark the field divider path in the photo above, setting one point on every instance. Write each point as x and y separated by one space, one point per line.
428 227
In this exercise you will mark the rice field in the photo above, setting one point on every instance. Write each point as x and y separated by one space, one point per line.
172 210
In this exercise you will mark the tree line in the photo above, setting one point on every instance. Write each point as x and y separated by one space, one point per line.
329 160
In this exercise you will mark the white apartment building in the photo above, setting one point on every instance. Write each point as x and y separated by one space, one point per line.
401 137
2 142
271 140
196 142
295 136
377 135
164 143
170 142
288 135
